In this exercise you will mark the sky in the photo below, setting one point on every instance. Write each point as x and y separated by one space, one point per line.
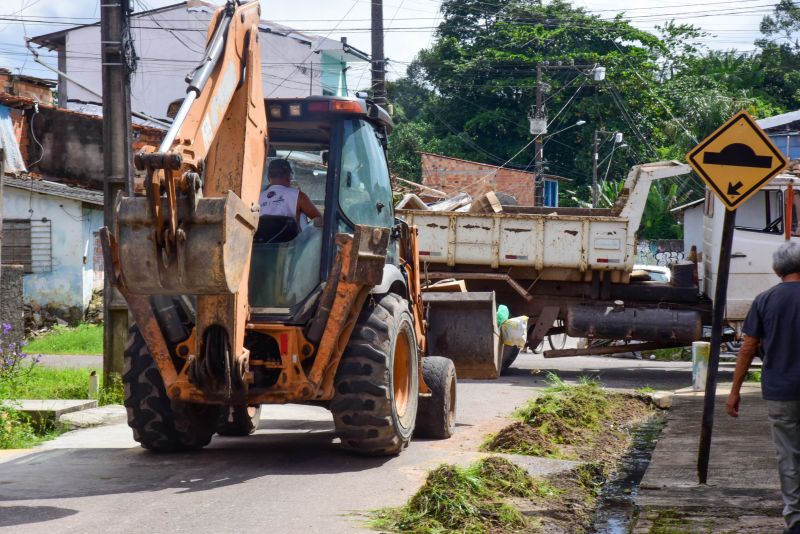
409 24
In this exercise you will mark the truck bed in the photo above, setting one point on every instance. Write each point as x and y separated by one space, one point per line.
557 243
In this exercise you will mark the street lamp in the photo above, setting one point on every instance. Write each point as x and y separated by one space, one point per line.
579 123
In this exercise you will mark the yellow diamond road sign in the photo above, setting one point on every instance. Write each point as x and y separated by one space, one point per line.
736 160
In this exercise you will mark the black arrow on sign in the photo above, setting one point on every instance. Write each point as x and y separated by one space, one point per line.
733 189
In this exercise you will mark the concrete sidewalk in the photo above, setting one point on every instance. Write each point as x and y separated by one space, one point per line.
742 494
72 360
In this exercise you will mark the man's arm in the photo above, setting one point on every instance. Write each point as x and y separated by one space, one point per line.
746 354
306 207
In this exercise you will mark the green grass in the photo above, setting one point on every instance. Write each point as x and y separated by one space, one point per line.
81 339
63 383
17 430
679 354
467 500
753 376
51 383
644 390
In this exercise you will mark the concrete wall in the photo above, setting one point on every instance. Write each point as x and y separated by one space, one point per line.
453 175
71 144
65 288
11 301
289 69
660 251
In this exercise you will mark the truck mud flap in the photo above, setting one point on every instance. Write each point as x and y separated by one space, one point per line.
215 238
463 327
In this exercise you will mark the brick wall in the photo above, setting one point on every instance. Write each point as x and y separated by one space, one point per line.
453 175
26 86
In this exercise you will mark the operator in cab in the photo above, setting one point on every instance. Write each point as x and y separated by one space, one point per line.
281 199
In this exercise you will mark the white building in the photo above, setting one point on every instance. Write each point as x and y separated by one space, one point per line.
169 43
51 230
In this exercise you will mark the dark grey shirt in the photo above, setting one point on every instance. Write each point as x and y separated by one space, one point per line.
774 318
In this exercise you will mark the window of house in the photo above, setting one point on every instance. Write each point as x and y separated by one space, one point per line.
27 242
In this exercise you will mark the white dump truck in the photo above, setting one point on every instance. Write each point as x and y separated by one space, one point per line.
572 269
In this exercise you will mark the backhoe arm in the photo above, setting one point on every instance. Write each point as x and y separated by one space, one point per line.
192 232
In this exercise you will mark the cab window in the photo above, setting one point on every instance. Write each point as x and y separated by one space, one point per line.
365 194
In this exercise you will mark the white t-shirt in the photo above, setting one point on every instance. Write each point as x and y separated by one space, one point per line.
279 200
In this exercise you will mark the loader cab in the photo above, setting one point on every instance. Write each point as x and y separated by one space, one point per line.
336 148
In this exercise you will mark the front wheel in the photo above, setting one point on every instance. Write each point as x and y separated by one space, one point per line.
436 414
376 386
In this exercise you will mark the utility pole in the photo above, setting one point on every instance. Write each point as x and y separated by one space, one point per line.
595 149
117 163
538 177
378 61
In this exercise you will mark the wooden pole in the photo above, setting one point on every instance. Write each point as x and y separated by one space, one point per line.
720 296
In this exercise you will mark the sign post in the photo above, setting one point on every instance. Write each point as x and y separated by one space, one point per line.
734 162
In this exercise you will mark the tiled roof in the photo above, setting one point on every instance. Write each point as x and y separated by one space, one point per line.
46 187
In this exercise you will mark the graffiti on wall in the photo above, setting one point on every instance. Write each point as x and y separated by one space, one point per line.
660 251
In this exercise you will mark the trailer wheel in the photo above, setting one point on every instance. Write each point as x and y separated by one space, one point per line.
436 415
238 420
159 423
377 386
510 353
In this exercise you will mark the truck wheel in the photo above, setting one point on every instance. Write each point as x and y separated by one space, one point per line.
510 353
238 420
436 415
376 386
159 423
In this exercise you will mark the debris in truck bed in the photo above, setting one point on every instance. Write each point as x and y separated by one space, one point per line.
486 203
452 203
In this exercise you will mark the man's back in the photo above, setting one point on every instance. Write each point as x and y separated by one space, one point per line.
775 319
279 200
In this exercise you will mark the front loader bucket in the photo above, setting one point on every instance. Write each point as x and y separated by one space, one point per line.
463 327
209 261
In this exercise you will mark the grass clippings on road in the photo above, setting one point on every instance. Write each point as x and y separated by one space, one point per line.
468 500
583 422
81 339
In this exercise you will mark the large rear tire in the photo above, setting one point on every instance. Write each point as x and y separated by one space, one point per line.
159 423
238 420
376 386
436 414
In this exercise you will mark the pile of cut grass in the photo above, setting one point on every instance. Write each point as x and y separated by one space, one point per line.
81 339
467 500
571 422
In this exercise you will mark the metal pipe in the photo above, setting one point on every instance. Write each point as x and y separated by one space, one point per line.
177 122
603 351
200 77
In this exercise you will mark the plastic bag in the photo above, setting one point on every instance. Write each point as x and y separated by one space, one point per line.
515 331
502 314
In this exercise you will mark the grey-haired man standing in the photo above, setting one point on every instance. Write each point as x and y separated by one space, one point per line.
774 324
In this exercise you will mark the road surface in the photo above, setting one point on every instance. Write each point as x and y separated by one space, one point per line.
288 477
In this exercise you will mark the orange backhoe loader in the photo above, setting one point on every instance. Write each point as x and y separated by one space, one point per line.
232 310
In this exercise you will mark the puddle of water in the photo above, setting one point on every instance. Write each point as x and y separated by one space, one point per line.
617 500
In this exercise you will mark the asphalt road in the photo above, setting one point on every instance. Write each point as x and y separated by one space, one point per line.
288 477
